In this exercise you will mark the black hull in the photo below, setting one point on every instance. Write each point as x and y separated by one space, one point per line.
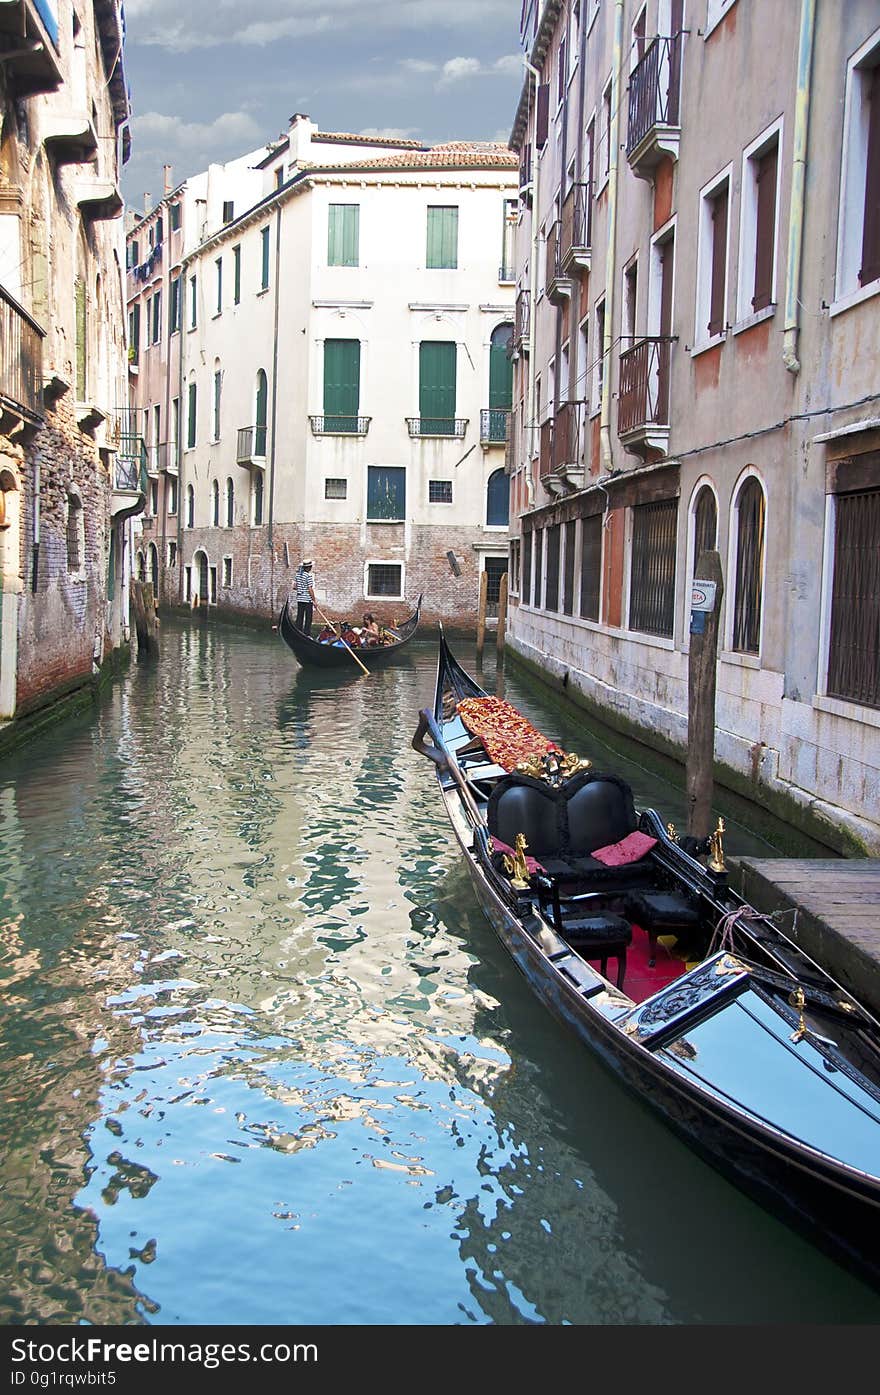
314 655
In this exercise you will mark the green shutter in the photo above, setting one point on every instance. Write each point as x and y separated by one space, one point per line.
261 411
342 234
191 422
386 492
342 384
437 388
265 273
236 270
442 237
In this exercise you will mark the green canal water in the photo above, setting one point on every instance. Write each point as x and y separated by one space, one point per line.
264 1062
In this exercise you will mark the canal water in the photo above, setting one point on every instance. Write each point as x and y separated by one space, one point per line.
263 1061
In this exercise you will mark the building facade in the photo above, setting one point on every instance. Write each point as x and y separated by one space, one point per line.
697 338
345 381
67 498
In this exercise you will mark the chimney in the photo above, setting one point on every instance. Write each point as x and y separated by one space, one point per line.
148 203
166 169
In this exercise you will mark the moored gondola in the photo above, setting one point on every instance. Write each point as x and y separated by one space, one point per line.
314 654
713 1016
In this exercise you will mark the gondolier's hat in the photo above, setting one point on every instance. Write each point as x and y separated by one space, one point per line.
307 562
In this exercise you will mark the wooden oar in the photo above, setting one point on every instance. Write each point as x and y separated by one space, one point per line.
346 646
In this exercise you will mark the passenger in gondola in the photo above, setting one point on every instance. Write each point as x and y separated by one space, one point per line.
370 631
326 635
350 635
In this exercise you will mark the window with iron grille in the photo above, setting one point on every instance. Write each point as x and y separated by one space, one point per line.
336 488
748 596
227 571
439 491
385 579
854 654
591 566
496 568
568 570
75 533
539 566
551 594
527 569
652 568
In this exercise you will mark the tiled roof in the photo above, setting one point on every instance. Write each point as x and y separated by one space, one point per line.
344 138
457 155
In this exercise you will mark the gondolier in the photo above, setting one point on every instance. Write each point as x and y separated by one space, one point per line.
305 596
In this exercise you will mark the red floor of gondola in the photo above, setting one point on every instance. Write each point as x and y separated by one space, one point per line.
641 980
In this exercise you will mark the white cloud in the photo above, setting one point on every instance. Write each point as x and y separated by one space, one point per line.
417 65
232 130
461 69
388 132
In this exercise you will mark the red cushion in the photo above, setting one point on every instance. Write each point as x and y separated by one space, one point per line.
531 863
629 849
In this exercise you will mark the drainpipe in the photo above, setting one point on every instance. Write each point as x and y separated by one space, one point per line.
533 284
271 509
610 265
798 182
181 426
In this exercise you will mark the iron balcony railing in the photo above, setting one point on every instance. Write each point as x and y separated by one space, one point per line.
553 269
568 442
577 223
494 426
130 471
251 444
21 359
339 425
437 426
643 389
507 273
654 90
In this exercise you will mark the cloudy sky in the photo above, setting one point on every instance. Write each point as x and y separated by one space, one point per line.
212 79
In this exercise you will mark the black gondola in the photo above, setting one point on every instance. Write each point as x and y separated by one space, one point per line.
751 1052
317 655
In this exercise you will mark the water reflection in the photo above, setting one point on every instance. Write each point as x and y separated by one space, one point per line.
266 1063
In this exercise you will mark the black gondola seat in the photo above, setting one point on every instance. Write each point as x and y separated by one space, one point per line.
662 913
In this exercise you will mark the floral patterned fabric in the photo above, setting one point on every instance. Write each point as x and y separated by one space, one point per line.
507 735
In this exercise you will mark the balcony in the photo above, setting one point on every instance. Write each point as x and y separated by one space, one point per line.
557 284
130 484
545 457
520 341
568 443
251 447
494 426
29 45
71 139
97 198
507 275
576 237
654 132
437 426
340 426
21 363
643 396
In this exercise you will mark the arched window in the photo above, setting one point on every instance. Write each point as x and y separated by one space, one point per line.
154 567
215 503
140 568
190 506
748 595
705 524
500 383
258 498
75 533
260 409
230 503
497 500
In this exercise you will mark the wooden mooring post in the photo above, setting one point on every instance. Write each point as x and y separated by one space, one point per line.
708 589
143 608
481 615
502 613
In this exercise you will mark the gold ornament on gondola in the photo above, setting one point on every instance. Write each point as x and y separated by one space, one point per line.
799 1002
716 861
554 766
516 867
671 833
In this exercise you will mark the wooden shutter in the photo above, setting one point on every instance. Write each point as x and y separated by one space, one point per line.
870 268
342 374
542 115
236 275
262 405
342 234
442 237
191 420
437 387
265 269
501 369
719 258
765 229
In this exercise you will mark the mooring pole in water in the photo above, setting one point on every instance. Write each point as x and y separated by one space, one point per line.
708 589
143 607
502 613
481 614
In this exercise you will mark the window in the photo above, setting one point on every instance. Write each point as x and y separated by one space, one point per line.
76 538
257 498
159 231
591 566
858 237
442 237
568 569
386 493
227 571
757 258
230 503
343 234
218 272
498 499
342 381
264 259
134 333
336 488
507 269
854 652
385 579
551 592
228 210
212 593
748 594
215 503
712 263
154 497
190 506
236 275
174 217
437 364
630 294
133 253
652 567
157 434
172 554
193 303
542 115
171 493
561 71
261 404
606 131
156 318
174 305
600 354
175 429
279 176
539 566
705 525
191 417
218 388
439 491
526 568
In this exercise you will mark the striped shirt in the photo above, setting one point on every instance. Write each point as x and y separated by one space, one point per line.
303 584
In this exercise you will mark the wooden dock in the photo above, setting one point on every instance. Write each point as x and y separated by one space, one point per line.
830 906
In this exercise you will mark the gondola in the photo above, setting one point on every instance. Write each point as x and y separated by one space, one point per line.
713 1016
314 655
